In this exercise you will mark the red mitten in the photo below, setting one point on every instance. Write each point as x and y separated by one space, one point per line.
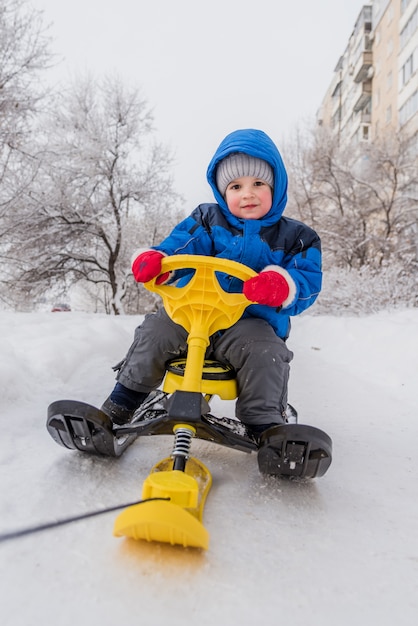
269 288
147 266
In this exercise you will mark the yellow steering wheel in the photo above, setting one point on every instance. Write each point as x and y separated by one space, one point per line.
201 306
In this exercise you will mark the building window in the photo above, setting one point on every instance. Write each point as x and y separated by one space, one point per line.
409 29
408 67
389 114
389 80
409 108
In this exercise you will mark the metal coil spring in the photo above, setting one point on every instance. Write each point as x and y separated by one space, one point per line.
182 443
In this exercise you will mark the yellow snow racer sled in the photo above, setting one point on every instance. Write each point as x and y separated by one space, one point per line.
202 307
174 494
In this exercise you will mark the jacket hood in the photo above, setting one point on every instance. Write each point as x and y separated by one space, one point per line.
257 144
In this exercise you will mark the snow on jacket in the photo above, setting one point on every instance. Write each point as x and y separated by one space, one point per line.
272 240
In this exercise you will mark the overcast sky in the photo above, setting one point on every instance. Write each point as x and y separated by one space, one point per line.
207 68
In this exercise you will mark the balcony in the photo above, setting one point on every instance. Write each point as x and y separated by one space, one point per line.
337 89
363 66
336 118
362 96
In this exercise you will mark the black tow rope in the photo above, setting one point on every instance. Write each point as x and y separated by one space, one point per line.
15 534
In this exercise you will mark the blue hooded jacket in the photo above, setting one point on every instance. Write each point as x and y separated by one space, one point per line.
289 245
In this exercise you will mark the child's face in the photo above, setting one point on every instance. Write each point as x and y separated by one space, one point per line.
248 198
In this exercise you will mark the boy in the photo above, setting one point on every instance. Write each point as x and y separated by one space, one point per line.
249 182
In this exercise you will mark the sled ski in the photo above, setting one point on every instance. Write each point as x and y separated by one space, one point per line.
294 450
172 507
79 426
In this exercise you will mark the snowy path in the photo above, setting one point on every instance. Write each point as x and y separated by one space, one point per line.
337 551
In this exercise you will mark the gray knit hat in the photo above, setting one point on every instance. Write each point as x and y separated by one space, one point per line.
239 164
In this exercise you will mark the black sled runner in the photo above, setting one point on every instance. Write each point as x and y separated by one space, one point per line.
289 450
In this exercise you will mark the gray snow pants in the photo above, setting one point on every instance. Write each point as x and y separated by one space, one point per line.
260 359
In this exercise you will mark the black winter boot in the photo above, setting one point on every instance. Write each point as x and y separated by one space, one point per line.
118 414
122 403
257 430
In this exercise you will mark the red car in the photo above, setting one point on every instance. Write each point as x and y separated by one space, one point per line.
60 307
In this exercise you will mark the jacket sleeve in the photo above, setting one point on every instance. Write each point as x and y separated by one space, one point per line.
302 262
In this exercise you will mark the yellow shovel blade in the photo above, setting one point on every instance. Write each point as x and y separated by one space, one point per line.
177 521
161 520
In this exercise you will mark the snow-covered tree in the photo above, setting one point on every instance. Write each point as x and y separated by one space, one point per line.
363 199
102 181
24 54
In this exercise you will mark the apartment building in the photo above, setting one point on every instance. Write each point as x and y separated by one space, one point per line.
408 67
374 88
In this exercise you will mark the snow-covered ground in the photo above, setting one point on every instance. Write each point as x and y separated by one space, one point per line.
339 550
